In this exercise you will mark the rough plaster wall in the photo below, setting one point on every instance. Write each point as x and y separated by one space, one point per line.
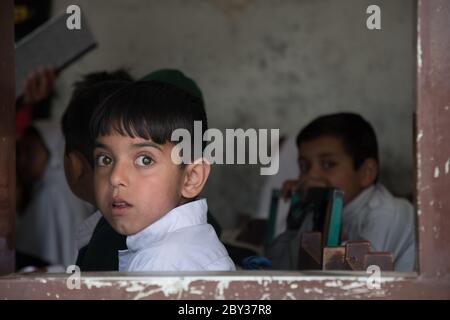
267 64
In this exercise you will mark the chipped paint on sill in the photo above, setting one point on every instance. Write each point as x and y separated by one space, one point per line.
419 135
436 172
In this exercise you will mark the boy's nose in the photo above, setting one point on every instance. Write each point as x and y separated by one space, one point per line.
119 175
316 177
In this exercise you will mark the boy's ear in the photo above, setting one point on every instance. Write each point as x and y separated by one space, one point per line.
368 172
73 167
79 175
195 178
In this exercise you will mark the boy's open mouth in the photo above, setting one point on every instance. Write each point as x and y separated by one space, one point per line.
118 205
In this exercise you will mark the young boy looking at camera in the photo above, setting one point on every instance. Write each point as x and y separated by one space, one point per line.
140 190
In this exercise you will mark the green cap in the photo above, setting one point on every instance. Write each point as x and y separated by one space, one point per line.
177 79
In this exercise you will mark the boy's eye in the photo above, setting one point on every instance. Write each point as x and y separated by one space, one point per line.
144 161
304 167
328 164
103 160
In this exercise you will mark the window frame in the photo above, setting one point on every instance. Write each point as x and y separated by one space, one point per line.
432 183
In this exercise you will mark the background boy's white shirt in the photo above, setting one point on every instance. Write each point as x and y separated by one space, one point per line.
181 240
387 222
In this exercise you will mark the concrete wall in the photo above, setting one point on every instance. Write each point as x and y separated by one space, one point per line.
267 64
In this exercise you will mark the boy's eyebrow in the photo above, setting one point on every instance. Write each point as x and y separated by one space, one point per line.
327 154
100 145
146 144
134 145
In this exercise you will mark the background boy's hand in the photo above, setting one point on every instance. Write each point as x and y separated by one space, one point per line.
289 187
301 185
39 84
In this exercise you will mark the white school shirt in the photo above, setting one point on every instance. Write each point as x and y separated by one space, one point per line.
181 240
387 222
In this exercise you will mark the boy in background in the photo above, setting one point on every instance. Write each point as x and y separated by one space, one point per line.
341 151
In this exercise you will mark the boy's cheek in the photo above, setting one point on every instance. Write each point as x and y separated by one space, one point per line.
100 179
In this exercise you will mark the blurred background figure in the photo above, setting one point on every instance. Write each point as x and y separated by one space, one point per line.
46 229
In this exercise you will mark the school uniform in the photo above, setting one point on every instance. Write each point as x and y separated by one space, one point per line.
387 222
181 240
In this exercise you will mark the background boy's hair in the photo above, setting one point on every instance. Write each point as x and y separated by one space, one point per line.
149 109
357 135
88 94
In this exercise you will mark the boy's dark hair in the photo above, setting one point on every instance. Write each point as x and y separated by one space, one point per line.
150 110
88 94
357 135
94 78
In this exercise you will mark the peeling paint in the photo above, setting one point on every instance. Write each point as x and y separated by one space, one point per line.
95 283
289 296
200 292
419 165
265 296
419 135
336 283
180 286
436 232
314 290
353 285
220 289
166 286
436 172
419 47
